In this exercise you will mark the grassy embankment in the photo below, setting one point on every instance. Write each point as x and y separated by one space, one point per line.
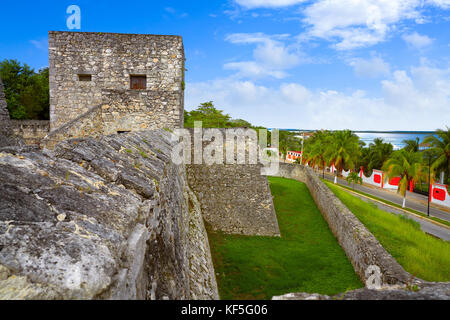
420 254
307 257
392 203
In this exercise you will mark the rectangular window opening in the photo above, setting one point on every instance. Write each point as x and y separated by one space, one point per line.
85 77
138 82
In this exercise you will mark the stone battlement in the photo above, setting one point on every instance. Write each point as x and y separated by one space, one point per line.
32 131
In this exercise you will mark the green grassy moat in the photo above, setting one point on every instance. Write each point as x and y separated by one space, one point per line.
418 253
307 257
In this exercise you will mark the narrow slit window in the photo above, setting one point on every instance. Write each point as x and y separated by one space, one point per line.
85 77
138 82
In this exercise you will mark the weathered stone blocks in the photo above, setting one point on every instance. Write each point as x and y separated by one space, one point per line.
32 131
111 60
107 218
234 198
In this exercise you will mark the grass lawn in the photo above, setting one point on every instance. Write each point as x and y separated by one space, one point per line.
392 203
307 257
420 254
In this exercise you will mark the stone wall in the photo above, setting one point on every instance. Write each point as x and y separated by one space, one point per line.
125 111
106 218
362 249
234 198
88 124
32 131
110 59
360 246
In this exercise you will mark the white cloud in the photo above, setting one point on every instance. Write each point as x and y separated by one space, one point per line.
370 68
414 100
40 44
251 4
425 90
175 13
416 40
445 4
271 56
251 69
170 10
354 24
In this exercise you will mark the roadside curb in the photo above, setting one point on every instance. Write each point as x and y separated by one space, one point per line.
386 204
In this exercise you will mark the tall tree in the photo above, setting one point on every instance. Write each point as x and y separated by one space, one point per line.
379 152
344 150
412 144
316 148
440 145
353 178
209 115
407 166
27 92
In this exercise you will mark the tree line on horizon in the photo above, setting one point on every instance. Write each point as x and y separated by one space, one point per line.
346 151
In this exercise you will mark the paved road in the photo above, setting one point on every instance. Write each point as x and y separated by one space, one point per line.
426 226
414 201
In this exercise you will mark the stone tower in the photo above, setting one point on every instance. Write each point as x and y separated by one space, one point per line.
136 79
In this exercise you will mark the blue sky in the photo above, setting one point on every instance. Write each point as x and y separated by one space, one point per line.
334 64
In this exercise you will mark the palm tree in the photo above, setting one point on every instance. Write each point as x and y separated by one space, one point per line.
412 144
343 150
407 165
440 146
316 148
352 178
283 150
378 153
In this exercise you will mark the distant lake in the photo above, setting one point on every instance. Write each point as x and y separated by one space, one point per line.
394 137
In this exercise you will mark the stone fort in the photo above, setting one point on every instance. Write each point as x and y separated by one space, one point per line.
110 215
107 83
109 93
137 79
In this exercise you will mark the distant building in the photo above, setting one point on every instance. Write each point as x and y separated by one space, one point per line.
291 156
